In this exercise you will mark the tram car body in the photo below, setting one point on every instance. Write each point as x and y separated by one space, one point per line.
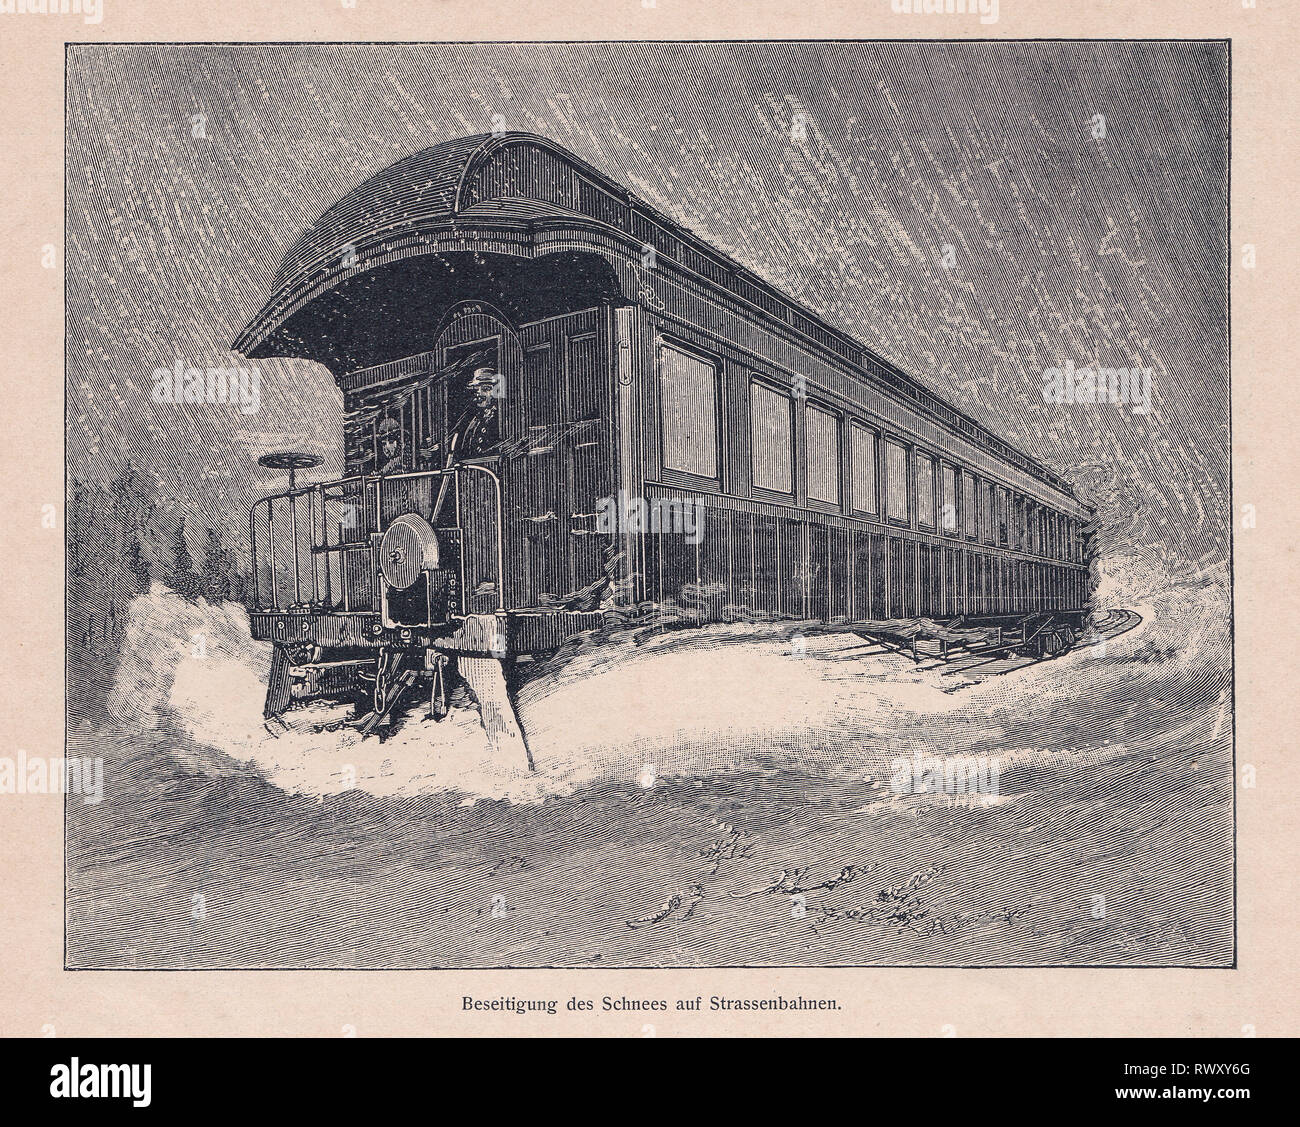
618 375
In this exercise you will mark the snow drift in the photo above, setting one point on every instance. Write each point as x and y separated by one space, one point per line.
688 703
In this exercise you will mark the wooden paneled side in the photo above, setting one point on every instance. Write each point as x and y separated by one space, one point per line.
897 601
481 531
924 605
536 546
714 551
795 567
585 445
787 557
767 565
819 568
861 602
839 582
879 577
740 592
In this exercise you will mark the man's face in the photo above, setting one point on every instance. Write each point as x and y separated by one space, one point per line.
485 387
390 447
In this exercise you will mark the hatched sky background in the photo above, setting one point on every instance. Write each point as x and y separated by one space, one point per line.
1067 247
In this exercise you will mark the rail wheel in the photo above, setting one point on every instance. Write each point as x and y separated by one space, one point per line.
303 654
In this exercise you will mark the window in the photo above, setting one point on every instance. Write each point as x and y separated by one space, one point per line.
925 490
823 430
948 516
896 506
1004 533
986 513
688 406
968 504
864 470
770 439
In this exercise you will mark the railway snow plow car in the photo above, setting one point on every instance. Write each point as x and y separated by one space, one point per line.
558 399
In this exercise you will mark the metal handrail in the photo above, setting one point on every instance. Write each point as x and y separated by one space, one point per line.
369 486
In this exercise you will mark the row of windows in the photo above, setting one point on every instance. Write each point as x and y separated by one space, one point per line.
910 482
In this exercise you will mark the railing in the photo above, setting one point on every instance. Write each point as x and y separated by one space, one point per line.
311 547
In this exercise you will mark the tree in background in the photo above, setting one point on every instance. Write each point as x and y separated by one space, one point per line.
136 564
110 529
118 543
133 509
217 574
182 578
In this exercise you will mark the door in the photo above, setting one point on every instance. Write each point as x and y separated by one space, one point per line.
469 422
561 468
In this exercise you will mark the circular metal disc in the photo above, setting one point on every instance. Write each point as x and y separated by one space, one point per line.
408 548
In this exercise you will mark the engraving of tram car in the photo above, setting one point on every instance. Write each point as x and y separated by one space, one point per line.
517 338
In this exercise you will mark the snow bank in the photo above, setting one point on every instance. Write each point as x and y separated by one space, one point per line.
690 703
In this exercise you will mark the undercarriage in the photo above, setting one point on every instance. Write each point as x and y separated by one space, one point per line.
368 593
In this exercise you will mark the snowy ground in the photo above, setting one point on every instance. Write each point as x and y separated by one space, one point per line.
749 818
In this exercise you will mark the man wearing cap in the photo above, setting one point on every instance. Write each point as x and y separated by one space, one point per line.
477 431
391 456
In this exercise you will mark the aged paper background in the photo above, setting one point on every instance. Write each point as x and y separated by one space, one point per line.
38 997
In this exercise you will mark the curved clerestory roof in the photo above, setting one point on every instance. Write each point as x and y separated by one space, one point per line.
437 200
417 189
